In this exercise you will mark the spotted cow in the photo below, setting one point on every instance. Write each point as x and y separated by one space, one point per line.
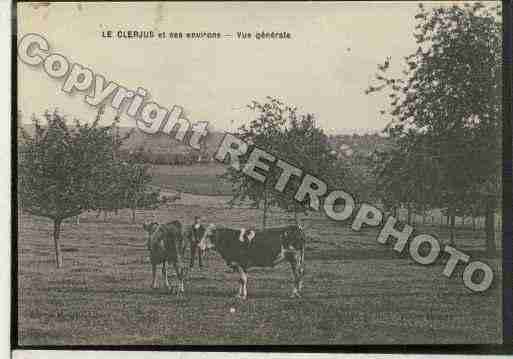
245 248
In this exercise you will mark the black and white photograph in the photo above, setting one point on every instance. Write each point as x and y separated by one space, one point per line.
259 174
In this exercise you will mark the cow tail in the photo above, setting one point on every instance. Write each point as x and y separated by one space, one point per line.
303 254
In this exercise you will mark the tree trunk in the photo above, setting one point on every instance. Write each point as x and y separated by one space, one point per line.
56 236
264 220
134 207
452 218
489 226
473 223
409 214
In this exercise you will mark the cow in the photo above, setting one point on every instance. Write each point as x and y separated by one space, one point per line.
166 245
194 233
245 248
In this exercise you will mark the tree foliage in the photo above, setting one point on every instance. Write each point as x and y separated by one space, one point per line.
280 130
445 112
65 170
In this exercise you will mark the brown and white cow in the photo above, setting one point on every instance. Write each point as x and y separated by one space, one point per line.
242 249
166 245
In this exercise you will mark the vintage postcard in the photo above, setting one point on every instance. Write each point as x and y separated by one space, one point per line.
258 173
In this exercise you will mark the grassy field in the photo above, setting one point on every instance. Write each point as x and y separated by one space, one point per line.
356 290
203 179
197 179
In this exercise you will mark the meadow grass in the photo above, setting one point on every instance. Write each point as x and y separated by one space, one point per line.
357 291
196 179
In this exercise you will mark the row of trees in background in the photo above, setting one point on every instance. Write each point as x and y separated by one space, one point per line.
445 118
66 170
143 155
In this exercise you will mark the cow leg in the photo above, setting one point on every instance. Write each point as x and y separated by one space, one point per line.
244 284
164 275
301 269
296 271
301 273
243 290
193 253
239 294
154 284
200 260
204 253
180 276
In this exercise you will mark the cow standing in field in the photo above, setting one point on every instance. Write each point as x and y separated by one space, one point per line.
166 245
242 249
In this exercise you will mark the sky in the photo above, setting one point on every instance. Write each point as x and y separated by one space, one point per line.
324 69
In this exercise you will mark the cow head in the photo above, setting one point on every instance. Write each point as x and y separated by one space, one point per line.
207 238
150 228
246 235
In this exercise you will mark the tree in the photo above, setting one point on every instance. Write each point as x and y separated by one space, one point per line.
306 146
445 110
133 187
64 170
295 138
